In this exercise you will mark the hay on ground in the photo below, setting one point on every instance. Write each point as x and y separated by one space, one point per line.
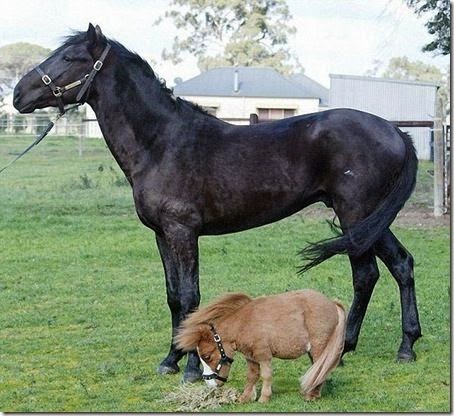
191 398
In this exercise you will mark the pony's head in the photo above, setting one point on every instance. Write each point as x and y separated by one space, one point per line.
199 332
214 352
52 83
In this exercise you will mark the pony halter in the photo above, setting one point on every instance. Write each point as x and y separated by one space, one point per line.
85 81
223 361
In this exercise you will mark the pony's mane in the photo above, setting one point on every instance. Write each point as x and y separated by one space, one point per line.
78 37
220 308
190 330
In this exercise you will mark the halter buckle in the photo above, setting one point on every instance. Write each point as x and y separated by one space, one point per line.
217 338
46 79
58 91
97 66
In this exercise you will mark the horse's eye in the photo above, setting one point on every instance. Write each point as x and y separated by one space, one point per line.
67 58
206 357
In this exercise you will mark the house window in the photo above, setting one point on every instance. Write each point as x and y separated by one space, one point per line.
210 110
275 113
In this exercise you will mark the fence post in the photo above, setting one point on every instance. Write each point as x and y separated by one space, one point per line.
438 159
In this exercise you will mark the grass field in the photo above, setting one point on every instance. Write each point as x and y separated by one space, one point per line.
84 321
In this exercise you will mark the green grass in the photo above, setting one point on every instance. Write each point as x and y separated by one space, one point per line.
84 321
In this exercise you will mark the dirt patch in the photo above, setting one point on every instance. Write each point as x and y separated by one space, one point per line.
421 217
418 217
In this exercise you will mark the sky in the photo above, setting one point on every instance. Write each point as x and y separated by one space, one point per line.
333 36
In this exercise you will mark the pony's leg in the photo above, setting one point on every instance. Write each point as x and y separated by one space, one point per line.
179 254
267 376
400 263
365 276
253 374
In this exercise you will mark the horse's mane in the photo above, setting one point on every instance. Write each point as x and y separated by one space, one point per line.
190 330
121 51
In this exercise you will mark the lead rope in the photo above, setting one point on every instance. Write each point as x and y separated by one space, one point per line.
39 137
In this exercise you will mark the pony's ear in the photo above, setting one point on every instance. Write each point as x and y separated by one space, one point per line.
95 36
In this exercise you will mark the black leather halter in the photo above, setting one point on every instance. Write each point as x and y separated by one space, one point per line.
223 361
85 81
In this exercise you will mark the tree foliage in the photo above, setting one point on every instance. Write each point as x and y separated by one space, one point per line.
16 60
439 23
232 32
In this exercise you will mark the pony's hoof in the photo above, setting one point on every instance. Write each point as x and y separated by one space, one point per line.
192 376
164 369
405 357
264 399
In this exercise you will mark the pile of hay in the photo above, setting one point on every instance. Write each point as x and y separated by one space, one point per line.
192 398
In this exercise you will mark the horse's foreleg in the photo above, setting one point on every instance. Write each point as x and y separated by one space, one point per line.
400 263
267 377
253 374
179 254
365 276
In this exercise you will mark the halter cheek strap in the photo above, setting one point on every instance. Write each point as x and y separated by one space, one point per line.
223 361
89 77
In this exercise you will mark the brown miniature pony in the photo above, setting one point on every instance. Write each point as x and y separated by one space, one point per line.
283 326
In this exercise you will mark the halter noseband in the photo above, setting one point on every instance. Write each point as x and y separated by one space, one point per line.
224 358
85 81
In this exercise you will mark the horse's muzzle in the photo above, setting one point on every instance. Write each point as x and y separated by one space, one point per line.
19 104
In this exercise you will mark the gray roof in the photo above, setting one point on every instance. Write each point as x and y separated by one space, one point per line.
380 79
312 87
252 82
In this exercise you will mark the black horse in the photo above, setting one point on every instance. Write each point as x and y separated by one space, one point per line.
193 174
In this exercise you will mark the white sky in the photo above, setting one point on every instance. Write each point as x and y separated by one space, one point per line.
333 36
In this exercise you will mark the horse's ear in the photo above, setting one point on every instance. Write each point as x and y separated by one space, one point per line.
94 35
99 34
91 34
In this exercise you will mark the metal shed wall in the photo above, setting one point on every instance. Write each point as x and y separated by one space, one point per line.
390 99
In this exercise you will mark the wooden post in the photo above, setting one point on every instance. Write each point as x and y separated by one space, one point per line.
253 118
438 159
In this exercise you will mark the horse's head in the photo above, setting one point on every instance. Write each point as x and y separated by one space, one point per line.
54 82
214 353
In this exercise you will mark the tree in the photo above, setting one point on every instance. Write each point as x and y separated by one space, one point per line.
439 23
232 32
17 59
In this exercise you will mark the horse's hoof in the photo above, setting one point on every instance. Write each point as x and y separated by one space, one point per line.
164 369
192 376
405 357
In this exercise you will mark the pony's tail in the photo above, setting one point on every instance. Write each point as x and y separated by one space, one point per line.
362 236
328 360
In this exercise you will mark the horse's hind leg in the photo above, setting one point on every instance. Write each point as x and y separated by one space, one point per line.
365 276
400 263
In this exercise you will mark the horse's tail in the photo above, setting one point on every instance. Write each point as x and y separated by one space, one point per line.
329 358
359 238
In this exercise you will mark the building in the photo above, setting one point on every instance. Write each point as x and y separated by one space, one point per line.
392 99
233 93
